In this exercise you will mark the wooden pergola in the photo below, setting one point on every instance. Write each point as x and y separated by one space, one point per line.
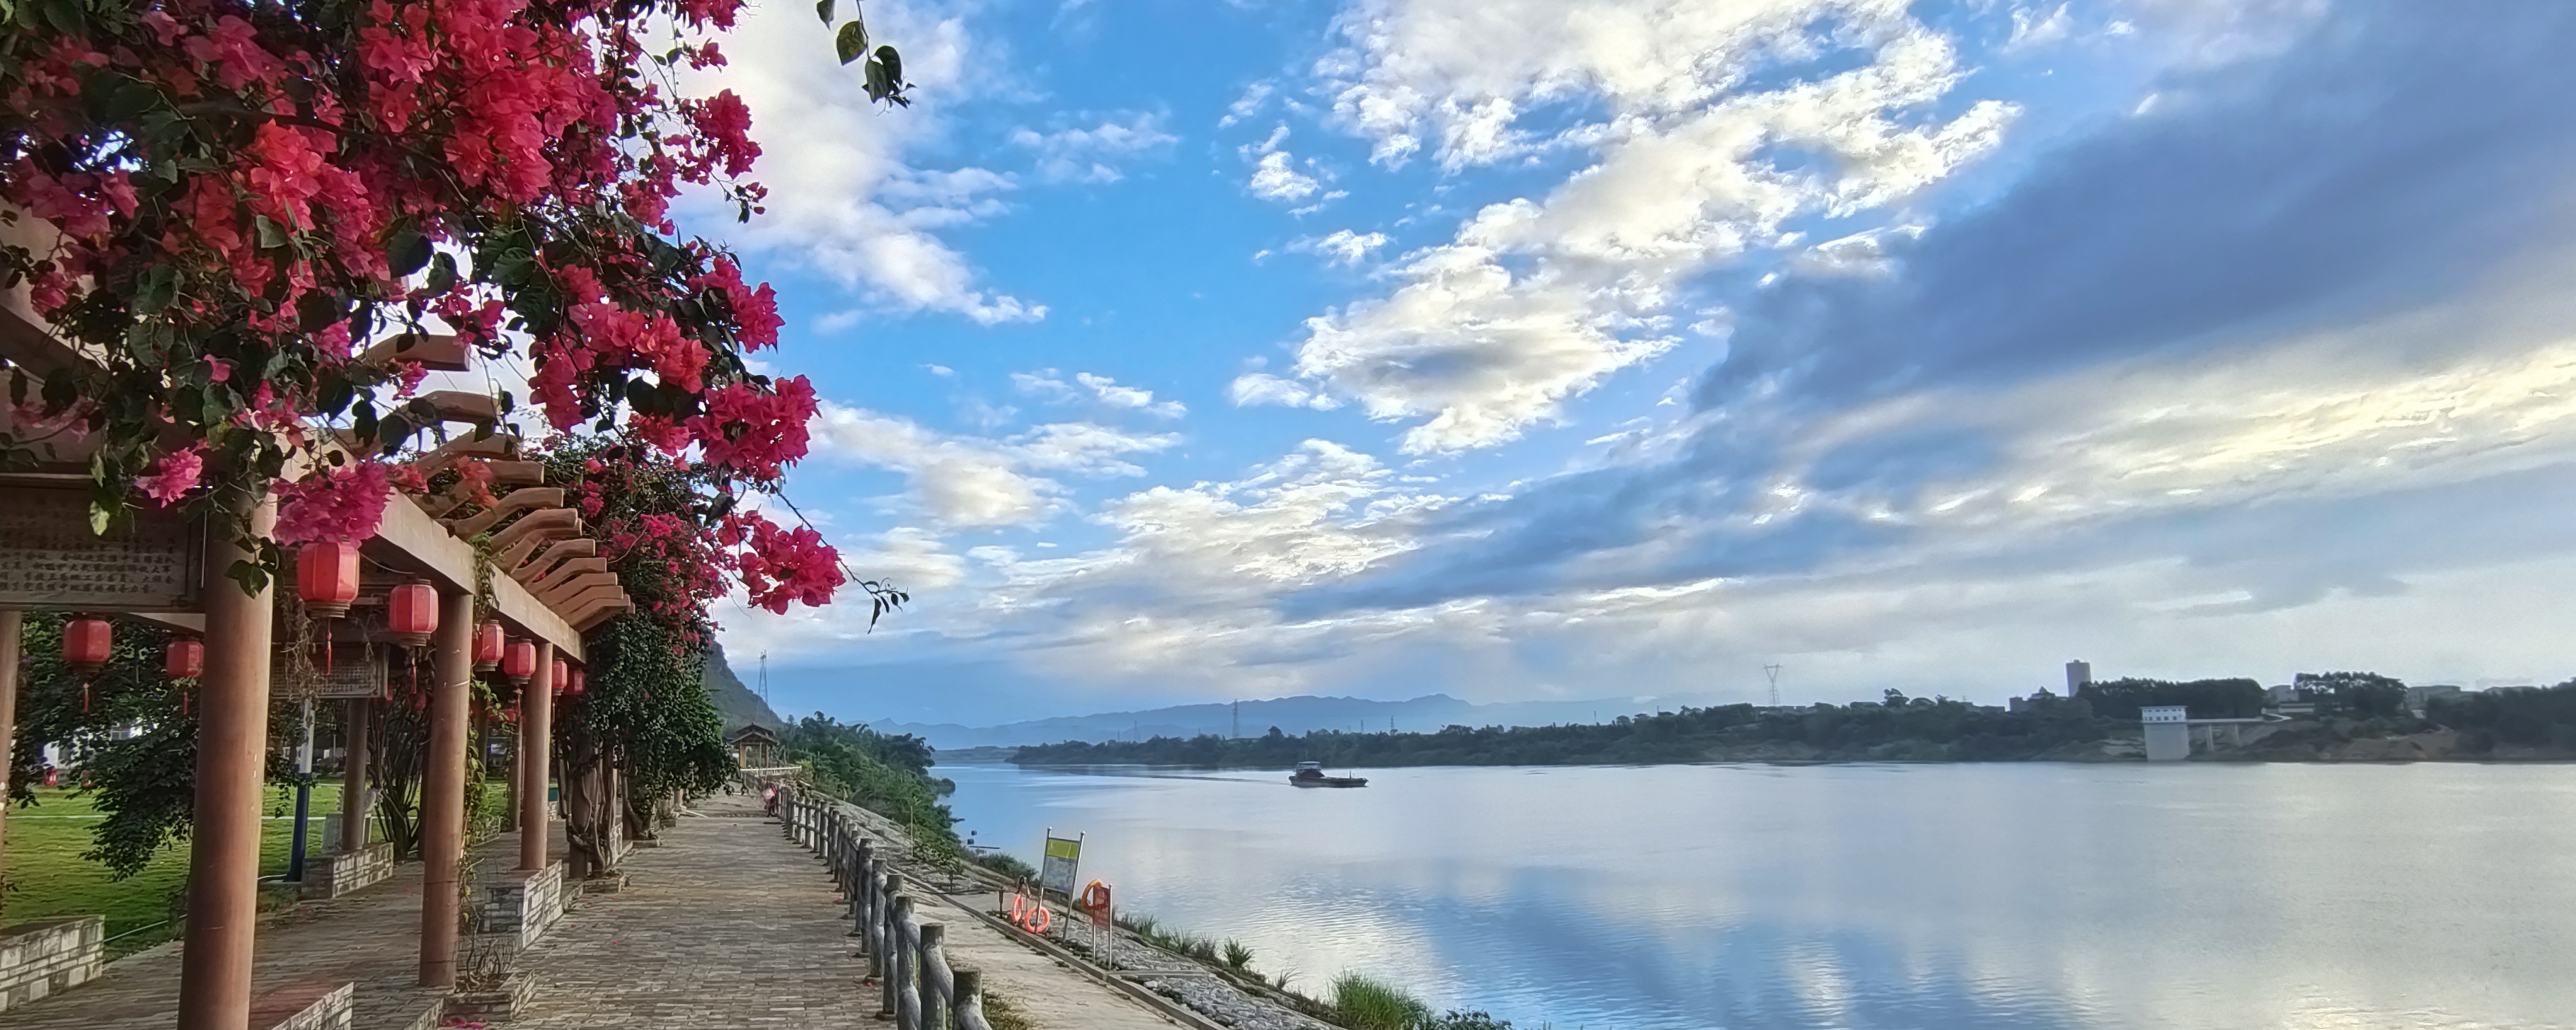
551 586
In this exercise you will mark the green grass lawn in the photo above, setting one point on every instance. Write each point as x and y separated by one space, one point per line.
50 878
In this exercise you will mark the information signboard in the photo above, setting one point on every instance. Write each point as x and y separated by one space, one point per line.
1063 857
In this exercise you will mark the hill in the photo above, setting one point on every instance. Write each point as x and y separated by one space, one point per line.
739 706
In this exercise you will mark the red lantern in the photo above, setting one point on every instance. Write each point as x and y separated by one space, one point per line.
487 647
184 659
411 614
576 687
521 663
87 642
326 578
563 674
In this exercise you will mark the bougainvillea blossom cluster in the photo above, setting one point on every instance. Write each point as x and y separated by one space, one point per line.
232 203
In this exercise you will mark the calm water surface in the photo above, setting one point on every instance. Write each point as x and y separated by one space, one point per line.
1932 897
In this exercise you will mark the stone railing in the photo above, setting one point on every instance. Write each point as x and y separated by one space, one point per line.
921 990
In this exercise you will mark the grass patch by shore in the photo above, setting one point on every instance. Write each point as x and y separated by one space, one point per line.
1363 1003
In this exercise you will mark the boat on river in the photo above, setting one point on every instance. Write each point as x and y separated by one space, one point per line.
1311 774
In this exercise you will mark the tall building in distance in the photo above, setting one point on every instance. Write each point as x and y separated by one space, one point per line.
2079 675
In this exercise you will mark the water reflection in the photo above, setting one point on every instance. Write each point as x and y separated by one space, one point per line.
1967 896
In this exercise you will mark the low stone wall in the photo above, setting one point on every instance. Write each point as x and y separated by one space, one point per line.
338 873
521 906
305 1007
49 956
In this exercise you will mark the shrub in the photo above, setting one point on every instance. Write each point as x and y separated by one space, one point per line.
1361 1003
1237 956
1005 864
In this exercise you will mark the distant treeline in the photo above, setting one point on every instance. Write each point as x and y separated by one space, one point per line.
1920 727
1896 728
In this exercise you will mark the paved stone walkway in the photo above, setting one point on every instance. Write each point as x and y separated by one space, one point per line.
725 925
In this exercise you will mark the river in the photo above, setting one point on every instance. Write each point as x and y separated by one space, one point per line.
1905 897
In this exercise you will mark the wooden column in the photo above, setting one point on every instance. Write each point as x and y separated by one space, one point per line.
442 804
13 625
360 715
536 729
232 745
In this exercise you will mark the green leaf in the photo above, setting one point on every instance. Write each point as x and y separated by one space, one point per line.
893 63
98 518
852 42
442 273
270 236
407 251
252 578
362 418
155 289
824 8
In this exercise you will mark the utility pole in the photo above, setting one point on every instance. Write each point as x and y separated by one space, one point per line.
1773 671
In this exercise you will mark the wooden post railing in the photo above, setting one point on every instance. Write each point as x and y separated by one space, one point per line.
920 990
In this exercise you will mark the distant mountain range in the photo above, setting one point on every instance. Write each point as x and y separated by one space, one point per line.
1292 715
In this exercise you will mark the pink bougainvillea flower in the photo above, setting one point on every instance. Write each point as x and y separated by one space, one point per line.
177 473
345 504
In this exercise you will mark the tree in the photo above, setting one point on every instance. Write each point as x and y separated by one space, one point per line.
2360 695
228 203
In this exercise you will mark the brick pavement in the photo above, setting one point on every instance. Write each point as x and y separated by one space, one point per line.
370 938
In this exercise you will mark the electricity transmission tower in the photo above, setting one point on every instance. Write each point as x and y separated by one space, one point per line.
764 678
1773 671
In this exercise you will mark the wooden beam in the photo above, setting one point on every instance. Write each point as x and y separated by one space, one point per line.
460 406
558 593
593 612
497 445
411 538
441 353
550 524
515 501
544 563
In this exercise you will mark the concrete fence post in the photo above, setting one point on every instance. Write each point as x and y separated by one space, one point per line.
895 947
859 879
934 978
966 995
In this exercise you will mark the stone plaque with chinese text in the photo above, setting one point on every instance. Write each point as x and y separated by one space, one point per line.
151 561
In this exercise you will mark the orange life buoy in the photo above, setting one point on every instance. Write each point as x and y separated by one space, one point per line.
1039 919
1095 896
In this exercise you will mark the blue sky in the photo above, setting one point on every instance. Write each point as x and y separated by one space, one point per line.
1524 349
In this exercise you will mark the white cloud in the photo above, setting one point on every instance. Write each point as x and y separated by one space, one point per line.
843 198
1342 246
1275 177
1254 97
1536 301
1090 154
1051 384
1252 388
964 481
